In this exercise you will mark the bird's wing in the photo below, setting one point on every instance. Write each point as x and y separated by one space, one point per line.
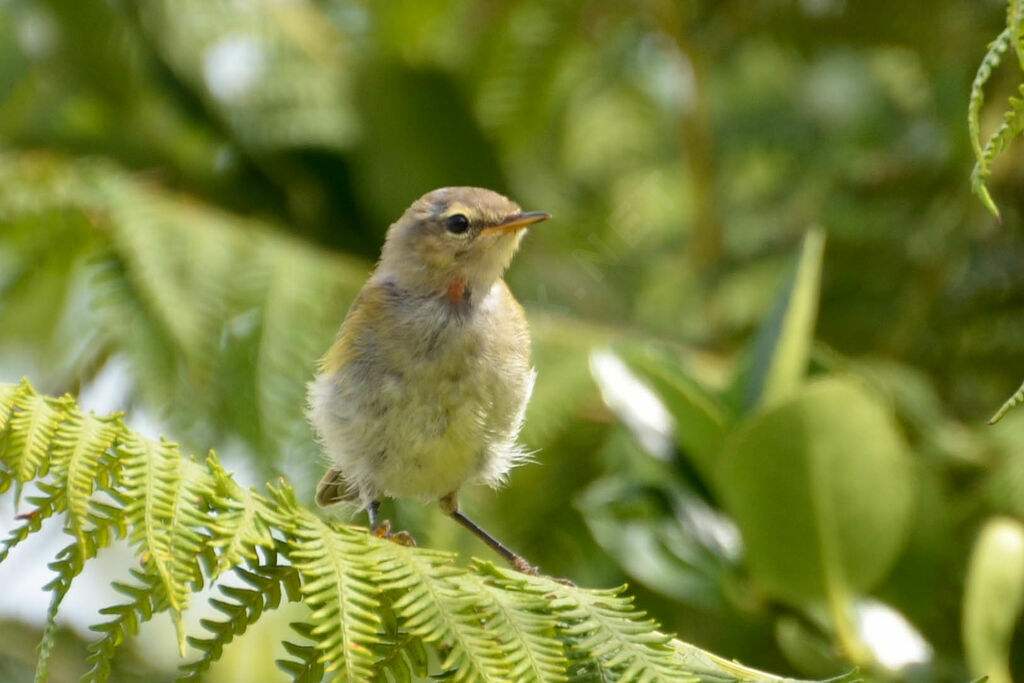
363 318
333 489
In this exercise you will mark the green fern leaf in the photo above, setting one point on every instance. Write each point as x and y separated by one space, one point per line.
43 507
375 606
1015 25
243 522
81 460
434 608
9 394
529 642
33 424
307 666
405 659
1011 403
602 626
269 583
1008 131
145 601
337 567
69 563
989 63
152 480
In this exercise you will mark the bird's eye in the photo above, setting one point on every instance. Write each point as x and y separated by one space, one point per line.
457 223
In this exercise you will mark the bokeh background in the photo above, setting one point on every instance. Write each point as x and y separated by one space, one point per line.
192 192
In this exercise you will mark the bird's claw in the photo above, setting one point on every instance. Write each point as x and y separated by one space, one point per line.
521 565
384 531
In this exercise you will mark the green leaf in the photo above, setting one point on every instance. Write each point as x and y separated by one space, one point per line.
777 361
712 668
820 486
994 598
666 538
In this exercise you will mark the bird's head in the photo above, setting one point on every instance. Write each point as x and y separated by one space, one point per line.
455 237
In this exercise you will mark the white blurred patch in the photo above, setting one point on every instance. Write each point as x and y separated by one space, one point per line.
232 66
713 529
893 640
1006 537
110 390
37 33
634 403
667 73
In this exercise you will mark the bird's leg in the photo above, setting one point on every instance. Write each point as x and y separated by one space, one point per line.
382 528
372 511
450 506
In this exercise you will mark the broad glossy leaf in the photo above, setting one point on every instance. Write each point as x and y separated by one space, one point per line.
820 486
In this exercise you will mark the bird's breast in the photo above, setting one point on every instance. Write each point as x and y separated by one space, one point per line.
429 397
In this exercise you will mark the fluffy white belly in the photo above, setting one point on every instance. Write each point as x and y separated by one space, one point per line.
420 419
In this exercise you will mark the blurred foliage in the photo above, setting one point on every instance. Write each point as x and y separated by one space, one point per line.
807 470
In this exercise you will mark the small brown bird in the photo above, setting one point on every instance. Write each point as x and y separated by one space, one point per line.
425 388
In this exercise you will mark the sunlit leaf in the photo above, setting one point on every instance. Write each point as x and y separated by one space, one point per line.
994 598
820 486
777 361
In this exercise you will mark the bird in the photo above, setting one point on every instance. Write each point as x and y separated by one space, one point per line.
425 387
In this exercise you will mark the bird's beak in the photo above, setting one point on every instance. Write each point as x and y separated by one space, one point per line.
517 222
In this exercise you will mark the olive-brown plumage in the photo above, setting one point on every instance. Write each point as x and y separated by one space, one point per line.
425 387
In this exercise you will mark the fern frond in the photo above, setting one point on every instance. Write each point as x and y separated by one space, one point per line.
434 608
33 425
996 49
1013 118
9 394
81 462
1010 404
337 569
44 506
103 527
1015 25
307 666
1008 131
406 657
162 512
146 598
243 522
602 625
268 583
531 647
376 607
184 290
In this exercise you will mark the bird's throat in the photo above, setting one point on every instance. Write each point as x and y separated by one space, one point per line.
457 294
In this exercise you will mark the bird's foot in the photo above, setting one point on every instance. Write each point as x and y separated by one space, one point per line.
521 565
384 531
